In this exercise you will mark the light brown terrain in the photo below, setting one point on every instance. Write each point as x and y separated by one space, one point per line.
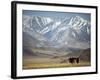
44 59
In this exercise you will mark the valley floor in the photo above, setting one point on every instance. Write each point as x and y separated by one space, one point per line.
38 65
51 58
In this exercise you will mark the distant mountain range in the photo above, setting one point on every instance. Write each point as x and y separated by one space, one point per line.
70 33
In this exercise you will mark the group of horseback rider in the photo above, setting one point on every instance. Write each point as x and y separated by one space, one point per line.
74 60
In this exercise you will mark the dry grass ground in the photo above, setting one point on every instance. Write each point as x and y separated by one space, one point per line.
44 59
33 65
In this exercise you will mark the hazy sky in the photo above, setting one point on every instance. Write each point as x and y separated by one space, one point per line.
53 14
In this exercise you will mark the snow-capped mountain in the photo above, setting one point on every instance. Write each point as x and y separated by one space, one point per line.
73 32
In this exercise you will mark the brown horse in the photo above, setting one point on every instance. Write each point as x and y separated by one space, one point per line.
73 60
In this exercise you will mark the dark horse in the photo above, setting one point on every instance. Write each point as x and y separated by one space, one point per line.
74 60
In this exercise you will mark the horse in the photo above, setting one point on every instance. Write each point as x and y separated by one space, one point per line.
73 60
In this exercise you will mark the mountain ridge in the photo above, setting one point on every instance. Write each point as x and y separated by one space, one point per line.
71 32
